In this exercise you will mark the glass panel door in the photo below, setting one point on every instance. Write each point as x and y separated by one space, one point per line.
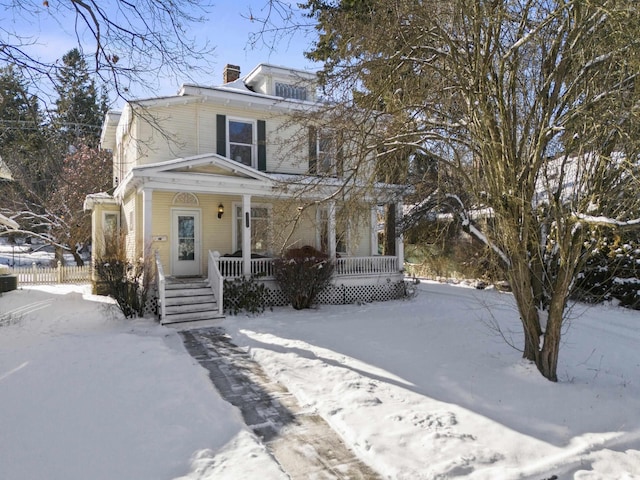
186 237
185 243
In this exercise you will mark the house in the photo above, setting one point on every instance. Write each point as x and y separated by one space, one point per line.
5 174
216 181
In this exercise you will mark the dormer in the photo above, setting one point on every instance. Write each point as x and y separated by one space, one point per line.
282 82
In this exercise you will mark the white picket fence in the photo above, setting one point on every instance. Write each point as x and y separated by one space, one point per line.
35 275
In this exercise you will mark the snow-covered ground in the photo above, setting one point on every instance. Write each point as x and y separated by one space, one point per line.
419 389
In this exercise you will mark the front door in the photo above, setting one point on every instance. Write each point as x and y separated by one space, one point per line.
185 243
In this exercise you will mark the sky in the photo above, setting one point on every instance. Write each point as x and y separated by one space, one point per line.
227 28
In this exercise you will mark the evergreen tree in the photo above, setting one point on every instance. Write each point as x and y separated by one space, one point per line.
79 109
23 145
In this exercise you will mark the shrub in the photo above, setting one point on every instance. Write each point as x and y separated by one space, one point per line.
612 271
302 274
244 294
123 280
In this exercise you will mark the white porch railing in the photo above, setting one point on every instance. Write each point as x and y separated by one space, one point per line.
161 287
231 267
366 265
262 267
216 280
35 275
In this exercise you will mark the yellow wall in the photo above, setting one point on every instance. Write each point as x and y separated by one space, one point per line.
290 227
162 133
215 233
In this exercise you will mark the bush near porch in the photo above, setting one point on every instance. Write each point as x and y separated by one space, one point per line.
302 274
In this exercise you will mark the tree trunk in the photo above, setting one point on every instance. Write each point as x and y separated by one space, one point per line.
520 280
389 247
548 359
59 255
77 257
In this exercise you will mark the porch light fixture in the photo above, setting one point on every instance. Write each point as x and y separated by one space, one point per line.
220 210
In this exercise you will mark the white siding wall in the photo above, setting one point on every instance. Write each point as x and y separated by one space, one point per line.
167 132
129 216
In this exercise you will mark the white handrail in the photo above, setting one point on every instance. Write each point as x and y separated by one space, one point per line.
367 265
230 267
262 267
161 281
215 280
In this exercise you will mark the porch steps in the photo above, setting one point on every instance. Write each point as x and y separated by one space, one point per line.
189 300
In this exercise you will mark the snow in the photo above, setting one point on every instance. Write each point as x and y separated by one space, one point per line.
423 388
87 394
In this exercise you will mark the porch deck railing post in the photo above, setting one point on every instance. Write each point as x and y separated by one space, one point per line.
215 280
161 283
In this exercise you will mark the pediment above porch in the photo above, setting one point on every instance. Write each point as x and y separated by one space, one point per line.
208 164
201 173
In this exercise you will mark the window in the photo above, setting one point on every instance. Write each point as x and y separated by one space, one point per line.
110 231
186 237
241 142
260 215
291 91
326 152
323 232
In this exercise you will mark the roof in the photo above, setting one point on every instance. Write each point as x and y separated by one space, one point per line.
8 222
5 173
205 173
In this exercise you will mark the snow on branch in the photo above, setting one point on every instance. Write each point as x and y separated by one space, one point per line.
606 221
473 230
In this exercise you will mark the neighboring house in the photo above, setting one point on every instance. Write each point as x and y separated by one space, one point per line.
5 174
217 180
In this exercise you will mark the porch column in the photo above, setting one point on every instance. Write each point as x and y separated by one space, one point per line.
399 235
246 235
147 210
331 228
374 231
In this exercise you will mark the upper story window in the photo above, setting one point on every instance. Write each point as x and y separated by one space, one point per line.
241 141
326 152
287 90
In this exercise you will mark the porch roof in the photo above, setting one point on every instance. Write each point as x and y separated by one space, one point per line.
213 173
206 173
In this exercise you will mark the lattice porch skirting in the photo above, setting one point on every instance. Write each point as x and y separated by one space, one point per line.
341 294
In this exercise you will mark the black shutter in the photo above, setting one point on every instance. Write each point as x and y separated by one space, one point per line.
221 135
262 146
313 150
339 155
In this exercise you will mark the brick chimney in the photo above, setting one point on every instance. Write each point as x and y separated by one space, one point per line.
231 73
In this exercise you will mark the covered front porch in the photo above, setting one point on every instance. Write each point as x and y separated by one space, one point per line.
209 217
355 279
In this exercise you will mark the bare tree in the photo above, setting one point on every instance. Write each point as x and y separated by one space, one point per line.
531 106
128 42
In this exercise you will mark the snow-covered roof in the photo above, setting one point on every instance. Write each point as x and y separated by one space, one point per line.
7 222
101 198
5 173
